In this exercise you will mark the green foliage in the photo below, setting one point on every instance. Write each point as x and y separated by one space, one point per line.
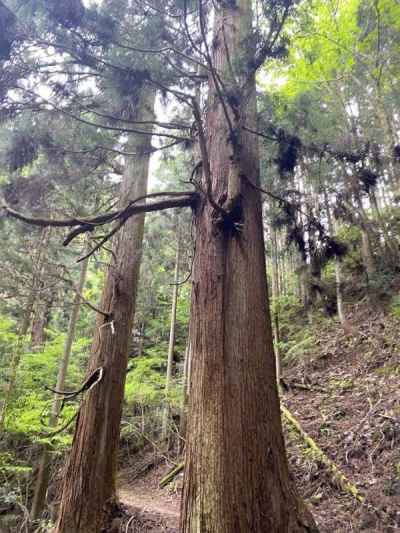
299 347
145 383
297 339
323 45
8 337
395 306
342 384
10 465
31 403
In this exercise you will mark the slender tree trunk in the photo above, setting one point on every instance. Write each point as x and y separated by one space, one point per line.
275 297
42 297
16 358
171 345
366 249
185 395
43 477
89 483
141 339
236 472
282 285
339 293
37 275
366 252
390 243
303 284
390 138
338 266
41 317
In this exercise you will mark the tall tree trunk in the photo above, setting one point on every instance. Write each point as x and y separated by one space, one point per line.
366 248
171 345
338 266
390 243
390 139
366 252
43 477
89 483
42 301
275 297
185 395
236 472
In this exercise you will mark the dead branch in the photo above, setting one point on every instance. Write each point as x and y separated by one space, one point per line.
93 379
174 199
335 472
171 475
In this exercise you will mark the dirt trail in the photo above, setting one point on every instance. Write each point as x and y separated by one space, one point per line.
166 507
143 495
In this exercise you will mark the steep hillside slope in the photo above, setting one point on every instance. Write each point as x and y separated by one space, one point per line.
350 406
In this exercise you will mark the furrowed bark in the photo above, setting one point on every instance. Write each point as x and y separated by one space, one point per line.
236 472
89 482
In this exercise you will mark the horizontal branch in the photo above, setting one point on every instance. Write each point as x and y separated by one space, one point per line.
83 225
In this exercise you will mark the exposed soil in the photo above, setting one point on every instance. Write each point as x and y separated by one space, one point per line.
353 413
351 409
154 509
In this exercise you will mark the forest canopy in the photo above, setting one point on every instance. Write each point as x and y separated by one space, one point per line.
200 229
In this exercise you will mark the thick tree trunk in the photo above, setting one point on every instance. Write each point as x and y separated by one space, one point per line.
43 477
236 472
89 482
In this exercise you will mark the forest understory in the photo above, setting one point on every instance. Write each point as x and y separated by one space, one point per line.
199 266
345 394
341 385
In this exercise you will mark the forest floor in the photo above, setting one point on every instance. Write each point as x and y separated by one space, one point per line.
150 508
350 406
352 411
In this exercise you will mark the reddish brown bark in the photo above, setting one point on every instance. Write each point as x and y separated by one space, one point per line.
236 473
89 483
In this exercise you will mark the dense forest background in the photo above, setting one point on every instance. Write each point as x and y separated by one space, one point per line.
94 95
